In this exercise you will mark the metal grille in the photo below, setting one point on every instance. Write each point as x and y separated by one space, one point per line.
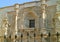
50 37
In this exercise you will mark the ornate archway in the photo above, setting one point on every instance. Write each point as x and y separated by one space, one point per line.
30 15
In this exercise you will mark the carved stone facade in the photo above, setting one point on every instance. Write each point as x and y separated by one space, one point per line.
29 11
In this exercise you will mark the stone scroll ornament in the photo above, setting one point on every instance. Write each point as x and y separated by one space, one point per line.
5 25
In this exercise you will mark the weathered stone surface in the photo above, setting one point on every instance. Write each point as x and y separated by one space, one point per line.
29 11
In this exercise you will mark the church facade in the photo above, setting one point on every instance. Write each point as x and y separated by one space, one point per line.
31 17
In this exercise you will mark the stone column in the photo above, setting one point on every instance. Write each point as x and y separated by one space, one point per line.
43 18
43 12
15 31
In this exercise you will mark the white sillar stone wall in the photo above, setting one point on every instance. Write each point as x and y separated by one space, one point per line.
3 12
51 11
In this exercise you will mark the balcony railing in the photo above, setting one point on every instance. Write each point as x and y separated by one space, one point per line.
49 37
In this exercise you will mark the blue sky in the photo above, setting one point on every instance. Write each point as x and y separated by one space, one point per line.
4 3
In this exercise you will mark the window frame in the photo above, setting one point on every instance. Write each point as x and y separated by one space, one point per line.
32 23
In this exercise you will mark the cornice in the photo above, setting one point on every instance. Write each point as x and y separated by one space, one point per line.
24 4
20 4
30 2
